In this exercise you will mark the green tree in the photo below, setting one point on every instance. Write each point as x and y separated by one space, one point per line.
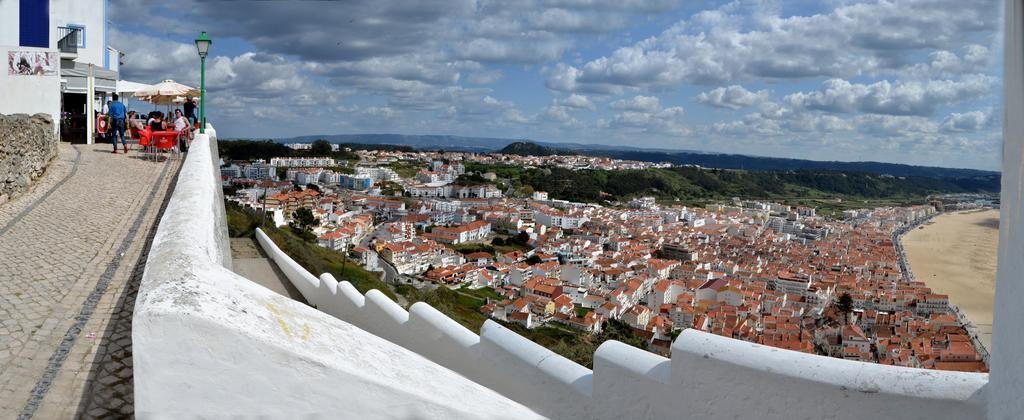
524 191
304 219
533 259
313 187
321 148
282 172
522 238
614 329
844 305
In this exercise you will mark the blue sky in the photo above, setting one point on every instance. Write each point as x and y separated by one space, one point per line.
897 81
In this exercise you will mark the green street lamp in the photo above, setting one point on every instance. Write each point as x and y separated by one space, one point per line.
203 45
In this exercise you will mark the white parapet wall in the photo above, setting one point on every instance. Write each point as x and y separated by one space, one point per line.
708 376
208 343
1007 360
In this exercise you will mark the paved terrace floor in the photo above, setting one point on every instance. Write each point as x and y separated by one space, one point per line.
72 252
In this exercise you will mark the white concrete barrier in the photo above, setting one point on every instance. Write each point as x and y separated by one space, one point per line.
784 383
442 339
629 380
532 374
307 284
208 343
1007 393
384 318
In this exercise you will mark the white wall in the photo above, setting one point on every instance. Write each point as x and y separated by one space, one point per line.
88 13
208 343
35 94
707 377
1007 360
10 24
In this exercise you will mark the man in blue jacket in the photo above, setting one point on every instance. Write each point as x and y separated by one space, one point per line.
119 115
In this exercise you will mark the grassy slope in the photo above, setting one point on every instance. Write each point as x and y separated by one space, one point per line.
315 259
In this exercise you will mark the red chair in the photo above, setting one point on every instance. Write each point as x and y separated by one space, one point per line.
145 139
166 140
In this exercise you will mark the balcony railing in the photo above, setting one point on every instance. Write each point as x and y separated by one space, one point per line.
69 39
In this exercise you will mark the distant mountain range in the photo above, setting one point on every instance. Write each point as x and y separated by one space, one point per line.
677 157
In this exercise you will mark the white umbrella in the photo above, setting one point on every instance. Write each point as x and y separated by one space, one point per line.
166 92
124 86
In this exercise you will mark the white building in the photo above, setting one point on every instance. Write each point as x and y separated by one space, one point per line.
559 219
61 49
259 170
792 283
301 162
378 174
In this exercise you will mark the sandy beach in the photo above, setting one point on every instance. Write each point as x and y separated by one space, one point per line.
955 254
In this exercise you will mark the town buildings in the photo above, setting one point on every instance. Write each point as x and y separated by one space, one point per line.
757 271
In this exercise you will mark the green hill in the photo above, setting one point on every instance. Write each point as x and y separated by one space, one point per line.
526 148
696 185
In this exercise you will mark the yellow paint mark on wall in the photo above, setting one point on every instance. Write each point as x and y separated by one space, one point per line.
281 322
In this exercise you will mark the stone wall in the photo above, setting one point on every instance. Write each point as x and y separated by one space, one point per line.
27 145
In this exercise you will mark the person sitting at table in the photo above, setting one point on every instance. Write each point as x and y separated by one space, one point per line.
183 127
156 121
134 125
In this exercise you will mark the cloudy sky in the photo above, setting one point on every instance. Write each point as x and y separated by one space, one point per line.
897 81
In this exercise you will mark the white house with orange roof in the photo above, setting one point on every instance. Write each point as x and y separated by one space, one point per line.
638 316
576 275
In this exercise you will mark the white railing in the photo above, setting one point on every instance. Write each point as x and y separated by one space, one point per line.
208 343
708 376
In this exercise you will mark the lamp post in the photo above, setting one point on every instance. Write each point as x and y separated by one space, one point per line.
203 46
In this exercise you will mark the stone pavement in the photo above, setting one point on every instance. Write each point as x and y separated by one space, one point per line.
72 252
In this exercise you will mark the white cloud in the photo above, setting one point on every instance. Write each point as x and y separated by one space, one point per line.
560 115
739 42
639 103
732 97
899 98
577 101
889 79
968 121
645 114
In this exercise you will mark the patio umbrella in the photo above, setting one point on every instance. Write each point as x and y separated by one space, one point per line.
165 92
124 86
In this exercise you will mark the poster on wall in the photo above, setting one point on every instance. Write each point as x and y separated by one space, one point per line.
32 63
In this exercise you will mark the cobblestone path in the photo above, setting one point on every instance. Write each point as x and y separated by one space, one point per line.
71 255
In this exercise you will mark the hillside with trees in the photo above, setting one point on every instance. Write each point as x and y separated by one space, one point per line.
697 184
526 148
266 149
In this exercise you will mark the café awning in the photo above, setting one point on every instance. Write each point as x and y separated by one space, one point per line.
76 76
